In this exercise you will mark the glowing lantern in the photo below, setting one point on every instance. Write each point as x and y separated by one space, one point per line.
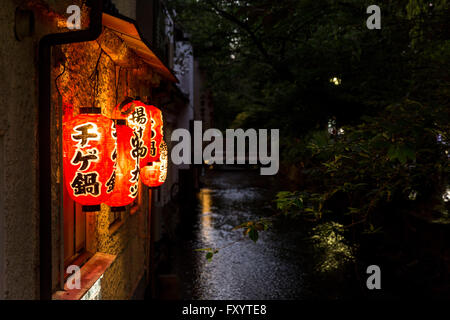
156 134
89 151
147 124
123 109
127 171
155 174
67 111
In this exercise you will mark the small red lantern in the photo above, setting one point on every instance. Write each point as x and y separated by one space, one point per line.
89 150
156 133
127 170
155 174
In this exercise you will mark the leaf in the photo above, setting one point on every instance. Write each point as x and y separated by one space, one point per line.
401 152
298 202
253 234
209 256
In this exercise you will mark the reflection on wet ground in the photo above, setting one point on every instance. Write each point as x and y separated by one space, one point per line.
289 261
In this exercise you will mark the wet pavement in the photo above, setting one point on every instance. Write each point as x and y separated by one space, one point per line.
289 261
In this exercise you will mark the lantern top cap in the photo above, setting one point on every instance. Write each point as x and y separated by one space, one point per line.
90 110
120 122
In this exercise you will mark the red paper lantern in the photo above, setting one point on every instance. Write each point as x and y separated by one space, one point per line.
127 170
147 123
67 111
123 109
89 151
156 134
155 174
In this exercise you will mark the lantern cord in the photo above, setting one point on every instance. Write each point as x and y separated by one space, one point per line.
106 53
96 74
138 66
117 83
126 82
57 77
95 71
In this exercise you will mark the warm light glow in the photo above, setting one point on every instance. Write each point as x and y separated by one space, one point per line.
147 123
88 158
336 81
127 174
157 133
139 119
446 195
206 219
61 23
156 174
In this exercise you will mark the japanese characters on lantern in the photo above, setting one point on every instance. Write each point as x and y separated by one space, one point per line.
156 133
89 158
155 175
139 120
147 123
127 173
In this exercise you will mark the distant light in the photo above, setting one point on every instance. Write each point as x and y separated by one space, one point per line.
336 81
446 195
412 195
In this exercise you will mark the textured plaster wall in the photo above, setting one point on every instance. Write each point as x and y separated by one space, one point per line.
102 73
18 101
129 242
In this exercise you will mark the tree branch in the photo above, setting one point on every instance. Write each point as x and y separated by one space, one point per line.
284 73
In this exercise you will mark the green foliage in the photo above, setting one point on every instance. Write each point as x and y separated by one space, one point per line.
269 62
252 228
210 252
269 65
377 162
293 204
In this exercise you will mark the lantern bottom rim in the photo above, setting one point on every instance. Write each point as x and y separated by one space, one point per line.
92 208
118 209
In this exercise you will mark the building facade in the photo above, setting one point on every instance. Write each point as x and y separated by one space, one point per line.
43 233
